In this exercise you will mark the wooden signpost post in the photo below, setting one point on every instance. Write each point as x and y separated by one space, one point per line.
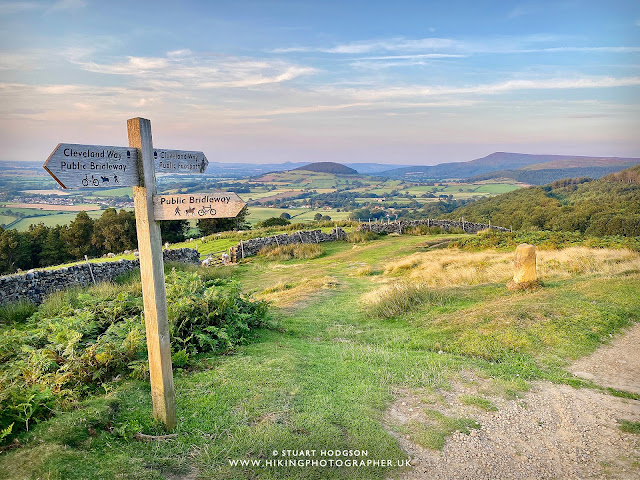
95 166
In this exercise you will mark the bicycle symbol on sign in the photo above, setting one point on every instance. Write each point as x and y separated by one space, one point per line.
207 211
94 181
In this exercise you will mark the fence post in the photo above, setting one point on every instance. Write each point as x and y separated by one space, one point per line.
90 270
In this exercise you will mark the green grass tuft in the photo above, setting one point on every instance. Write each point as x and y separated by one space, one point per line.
479 402
629 427
16 312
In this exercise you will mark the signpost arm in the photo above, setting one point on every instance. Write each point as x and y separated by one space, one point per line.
152 275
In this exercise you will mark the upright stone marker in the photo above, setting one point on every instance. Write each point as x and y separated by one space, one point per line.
525 265
156 317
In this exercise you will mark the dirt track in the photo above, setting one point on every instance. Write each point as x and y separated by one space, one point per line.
552 432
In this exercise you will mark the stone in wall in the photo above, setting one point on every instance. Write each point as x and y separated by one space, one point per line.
36 285
400 226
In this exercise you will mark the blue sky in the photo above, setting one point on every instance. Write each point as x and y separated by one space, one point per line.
411 82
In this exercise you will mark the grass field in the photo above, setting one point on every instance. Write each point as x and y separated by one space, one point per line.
109 192
324 377
56 208
257 214
29 211
6 219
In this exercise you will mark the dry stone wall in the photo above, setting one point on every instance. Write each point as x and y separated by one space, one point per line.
36 285
253 246
446 225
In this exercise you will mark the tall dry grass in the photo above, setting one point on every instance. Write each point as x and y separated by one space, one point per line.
305 251
424 277
453 267
284 294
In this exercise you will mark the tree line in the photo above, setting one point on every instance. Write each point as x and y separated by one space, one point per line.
113 232
595 207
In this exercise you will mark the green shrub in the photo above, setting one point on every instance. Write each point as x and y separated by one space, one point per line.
543 239
273 222
361 237
77 341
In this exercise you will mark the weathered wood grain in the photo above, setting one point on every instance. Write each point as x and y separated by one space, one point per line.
152 274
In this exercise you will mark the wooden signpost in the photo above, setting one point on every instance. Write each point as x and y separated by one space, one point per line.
91 166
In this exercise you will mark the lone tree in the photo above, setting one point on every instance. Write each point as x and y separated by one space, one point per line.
273 222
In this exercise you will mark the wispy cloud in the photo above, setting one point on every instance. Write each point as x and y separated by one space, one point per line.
200 71
496 88
454 48
386 45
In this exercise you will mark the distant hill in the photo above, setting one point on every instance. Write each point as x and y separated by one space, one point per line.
532 169
328 167
609 206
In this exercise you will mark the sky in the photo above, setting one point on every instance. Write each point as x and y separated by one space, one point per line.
401 82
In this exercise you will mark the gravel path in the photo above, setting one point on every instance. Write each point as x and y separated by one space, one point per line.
551 432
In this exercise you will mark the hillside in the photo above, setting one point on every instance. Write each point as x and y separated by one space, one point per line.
609 206
328 167
532 169
389 348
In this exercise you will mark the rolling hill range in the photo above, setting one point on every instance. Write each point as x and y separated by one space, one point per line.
608 206
527 168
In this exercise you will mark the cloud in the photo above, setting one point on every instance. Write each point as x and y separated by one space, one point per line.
200 71
496 88
583 49
452 48
391 61
388 45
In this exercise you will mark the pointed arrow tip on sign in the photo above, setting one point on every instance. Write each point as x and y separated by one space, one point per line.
205 163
